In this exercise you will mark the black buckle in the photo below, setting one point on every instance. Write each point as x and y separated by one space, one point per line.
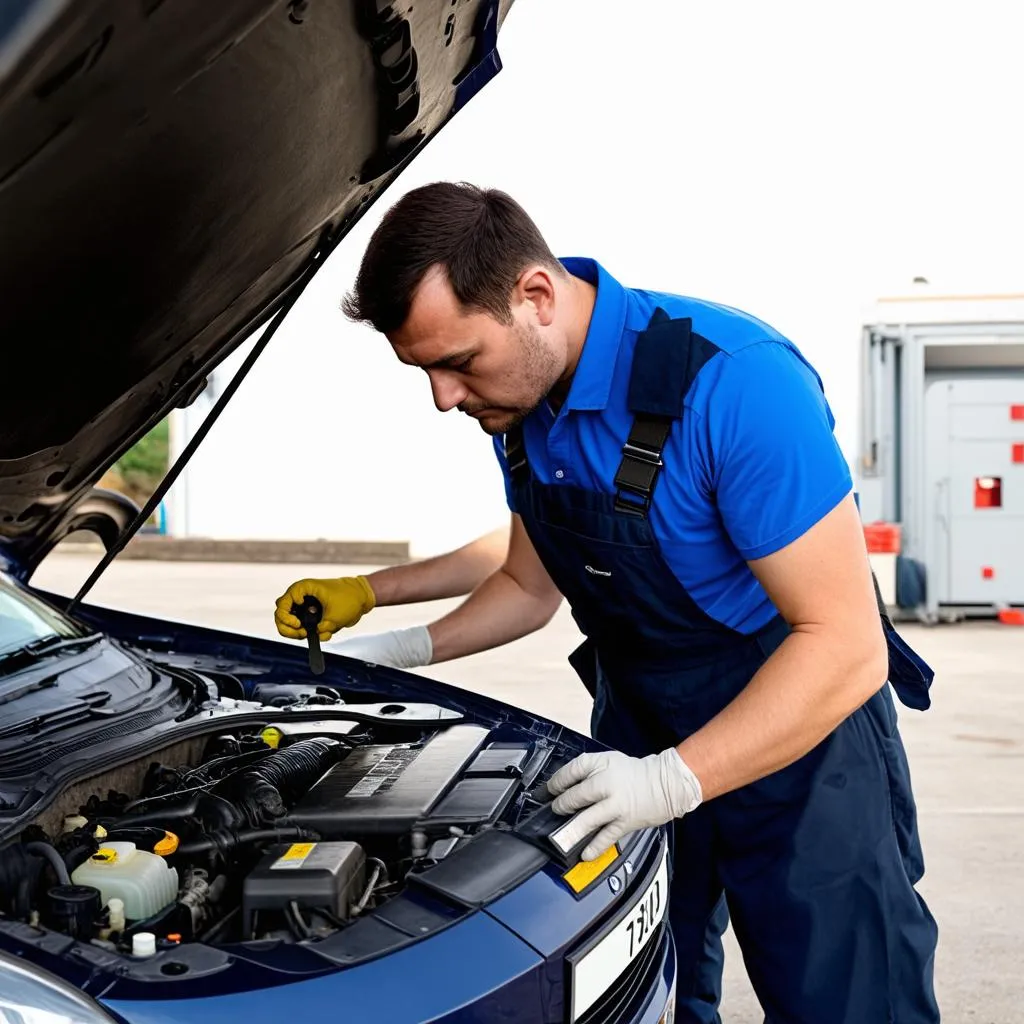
515 450
652 458
641 464
633 508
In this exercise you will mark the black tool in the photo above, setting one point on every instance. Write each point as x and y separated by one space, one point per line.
309 613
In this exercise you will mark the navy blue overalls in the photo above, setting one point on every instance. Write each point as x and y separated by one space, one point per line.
818 861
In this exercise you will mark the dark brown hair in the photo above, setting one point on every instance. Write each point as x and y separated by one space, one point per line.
482 238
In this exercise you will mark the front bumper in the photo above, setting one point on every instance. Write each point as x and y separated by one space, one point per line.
659 1005
668 977
479 969
483 974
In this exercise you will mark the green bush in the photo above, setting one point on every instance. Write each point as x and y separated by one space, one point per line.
144 465
146 462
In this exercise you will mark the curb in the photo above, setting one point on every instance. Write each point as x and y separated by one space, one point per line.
203 549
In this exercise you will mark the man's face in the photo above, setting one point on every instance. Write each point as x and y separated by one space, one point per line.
497 373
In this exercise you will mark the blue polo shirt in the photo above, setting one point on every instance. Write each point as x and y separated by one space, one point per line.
752 464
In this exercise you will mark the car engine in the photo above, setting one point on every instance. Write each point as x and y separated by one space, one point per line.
287 828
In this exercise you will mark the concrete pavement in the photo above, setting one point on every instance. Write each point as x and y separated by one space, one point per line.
966 754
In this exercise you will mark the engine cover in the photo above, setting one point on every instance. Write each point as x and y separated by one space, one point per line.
388 789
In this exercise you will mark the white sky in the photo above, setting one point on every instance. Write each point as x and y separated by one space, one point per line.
794 158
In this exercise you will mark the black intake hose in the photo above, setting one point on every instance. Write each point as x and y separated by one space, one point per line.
266 791
225 842
45 850
157 816
213 810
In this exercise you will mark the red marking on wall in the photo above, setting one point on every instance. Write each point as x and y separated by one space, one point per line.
988 492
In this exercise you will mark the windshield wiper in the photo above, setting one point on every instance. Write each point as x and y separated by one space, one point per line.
75 711
44 646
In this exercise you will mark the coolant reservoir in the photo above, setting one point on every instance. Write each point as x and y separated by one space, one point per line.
142 880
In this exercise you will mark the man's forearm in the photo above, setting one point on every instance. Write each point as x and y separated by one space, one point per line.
497 612
811 683
449 575
833 660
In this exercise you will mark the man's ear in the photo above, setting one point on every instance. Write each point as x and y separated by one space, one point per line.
536 287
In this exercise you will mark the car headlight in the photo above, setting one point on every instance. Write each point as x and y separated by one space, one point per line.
29 995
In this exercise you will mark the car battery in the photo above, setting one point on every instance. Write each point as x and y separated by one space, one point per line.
325 876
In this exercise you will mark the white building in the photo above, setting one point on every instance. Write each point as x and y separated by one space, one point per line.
738 152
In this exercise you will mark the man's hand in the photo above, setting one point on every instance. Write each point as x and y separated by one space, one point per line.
399 648
345 601
622 794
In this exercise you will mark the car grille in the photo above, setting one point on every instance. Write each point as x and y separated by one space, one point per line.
622 999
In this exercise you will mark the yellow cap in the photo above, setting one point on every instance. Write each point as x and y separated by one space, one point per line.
166 846
271 735
105 855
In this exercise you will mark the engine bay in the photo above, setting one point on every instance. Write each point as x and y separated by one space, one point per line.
289 823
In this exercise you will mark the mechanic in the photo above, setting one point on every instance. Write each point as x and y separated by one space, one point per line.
452 574
671 468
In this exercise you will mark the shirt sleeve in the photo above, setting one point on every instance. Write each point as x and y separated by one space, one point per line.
499 451
776 468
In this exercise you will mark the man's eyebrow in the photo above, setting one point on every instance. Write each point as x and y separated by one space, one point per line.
449 360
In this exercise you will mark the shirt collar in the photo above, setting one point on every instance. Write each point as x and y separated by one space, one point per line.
592 381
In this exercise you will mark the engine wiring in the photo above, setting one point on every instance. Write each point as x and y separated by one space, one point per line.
221 827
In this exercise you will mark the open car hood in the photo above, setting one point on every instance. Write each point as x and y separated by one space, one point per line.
171 171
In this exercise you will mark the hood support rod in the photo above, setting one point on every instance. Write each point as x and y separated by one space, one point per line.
175 471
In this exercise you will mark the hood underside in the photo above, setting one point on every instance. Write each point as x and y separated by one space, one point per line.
168 169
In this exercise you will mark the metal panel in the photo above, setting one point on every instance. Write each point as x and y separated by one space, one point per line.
937 547
975 553
983 417
915 500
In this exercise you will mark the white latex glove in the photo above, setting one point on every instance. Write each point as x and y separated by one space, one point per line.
622 794
399 648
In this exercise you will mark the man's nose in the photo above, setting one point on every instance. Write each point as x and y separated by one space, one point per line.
448 391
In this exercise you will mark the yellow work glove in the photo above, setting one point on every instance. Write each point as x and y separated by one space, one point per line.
345 601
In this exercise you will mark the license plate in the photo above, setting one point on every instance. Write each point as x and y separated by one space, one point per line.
595 972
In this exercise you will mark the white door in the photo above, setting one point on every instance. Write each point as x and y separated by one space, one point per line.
974 456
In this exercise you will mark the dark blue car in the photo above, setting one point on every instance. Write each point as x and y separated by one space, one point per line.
193 825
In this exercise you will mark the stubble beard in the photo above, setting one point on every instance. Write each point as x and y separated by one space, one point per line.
539 371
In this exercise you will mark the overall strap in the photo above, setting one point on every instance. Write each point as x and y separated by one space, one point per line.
666 362
515 454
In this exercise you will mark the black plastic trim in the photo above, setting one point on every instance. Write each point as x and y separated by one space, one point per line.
486 868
